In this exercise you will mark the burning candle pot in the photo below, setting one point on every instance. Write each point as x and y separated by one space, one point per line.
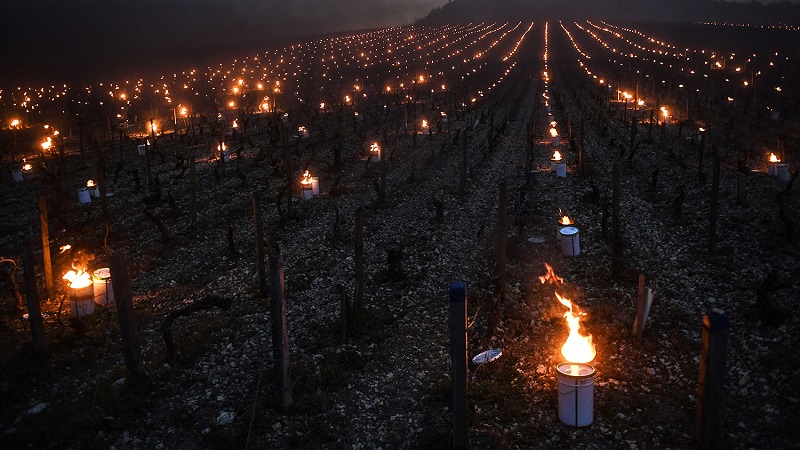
223 152
94 189
556 141
563 222
84 196
558 165
772 167
576 376
81 292
375 152
302 132
425 128
307 186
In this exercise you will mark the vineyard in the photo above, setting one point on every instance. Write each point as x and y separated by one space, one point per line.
282 232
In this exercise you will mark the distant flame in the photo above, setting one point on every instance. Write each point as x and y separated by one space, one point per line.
640 103
565 220
64 248
665 112
90 183
78 278
553 132
27 167
306 178
424 123
556 156
222 147
773 158
235 123
375 148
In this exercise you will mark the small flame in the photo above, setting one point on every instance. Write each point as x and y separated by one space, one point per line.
424 123
640 103
578 348
64 248
553 132
222 147
556 156
235 123
664 111
565 220
321 105
375 148
78 278
90 183
306 178
27 167
773 158
550 276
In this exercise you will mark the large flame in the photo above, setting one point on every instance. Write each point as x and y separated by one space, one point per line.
556 156
578 348
773 158
78 278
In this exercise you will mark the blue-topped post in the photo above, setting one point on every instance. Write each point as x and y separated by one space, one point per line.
710 385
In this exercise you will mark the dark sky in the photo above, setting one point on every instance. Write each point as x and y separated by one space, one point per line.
99 35
62 40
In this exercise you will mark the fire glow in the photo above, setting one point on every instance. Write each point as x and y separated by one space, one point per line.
556 156
578 348
306 181
773 158
78 278
565 220
553 133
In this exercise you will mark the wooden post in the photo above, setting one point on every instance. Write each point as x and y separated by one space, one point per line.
280 334
48 266
193 190
118 266
261 269
581 155
616 220
462 182
710 384
741 189
32 297
714 210
640 310
458 363
701 158
149 158
358 295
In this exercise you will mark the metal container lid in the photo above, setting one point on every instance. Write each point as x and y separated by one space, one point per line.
575 370
101 274
568 231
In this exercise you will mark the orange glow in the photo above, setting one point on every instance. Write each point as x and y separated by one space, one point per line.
773 158
306 179
553 132
90 183
565 220
78 278
27 167
578 348
424 123
15 123
556 156
374 148
664 112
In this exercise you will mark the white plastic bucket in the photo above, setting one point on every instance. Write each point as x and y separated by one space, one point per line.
556 141
315 186
570 241
81 301
103 290
308 191
575 393
94 191
561 169
782 171
142 149
560 227
772 169
374 157
83 196
17 175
